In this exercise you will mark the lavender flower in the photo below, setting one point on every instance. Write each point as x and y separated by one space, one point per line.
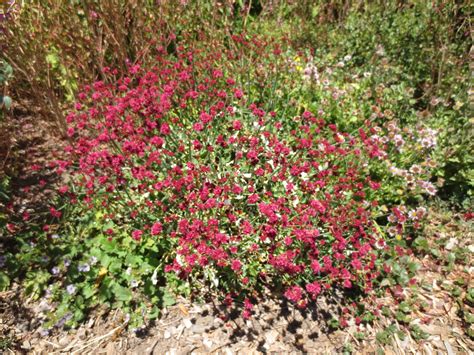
84 268
44 332
71 289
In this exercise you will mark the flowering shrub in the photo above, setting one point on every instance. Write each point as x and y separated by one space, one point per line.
204 169
236 164
190 179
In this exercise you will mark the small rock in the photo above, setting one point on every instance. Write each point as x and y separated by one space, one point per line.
271 336
26 345
198 329
197 309
43 306
64 341
167 334
298 316
207 320
451 243
207 343
218 321
82 333
91 323
187 323
23 327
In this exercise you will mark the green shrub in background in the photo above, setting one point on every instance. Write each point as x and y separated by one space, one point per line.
417 54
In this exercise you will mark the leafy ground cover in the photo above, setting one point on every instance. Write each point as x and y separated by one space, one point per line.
251 161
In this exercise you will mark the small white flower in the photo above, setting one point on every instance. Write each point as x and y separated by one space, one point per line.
154 278
392 231
71 289
296 202
421 212
412 214
84 268
430 189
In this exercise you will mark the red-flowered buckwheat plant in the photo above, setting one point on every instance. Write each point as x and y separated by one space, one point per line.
178 155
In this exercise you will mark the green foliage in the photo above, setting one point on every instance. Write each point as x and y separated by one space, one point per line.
419 52
6 74
385 337
417 333
5 343
104 271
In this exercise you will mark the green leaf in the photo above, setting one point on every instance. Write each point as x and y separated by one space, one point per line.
133 260
88 291
52 59
108 246
7 102
122 293
154 313
4 281
168 298
115 267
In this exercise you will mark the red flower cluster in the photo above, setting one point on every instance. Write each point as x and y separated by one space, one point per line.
252 195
